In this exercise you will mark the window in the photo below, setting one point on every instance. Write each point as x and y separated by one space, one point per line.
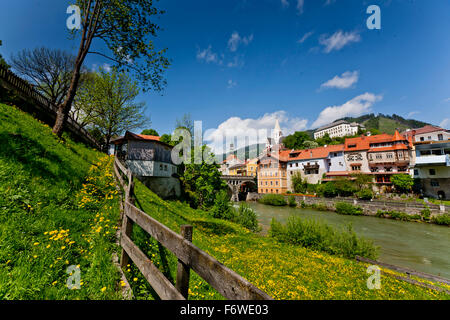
434 183
422 139
276 183
379 156
416 172
388 169
356 168
389 156
432 172
160 167
440 137
374 169
165 167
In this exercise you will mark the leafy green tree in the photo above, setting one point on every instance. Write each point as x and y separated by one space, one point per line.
402 182
296 140
310 144
114 109
201 182
325 140
362 180
299 185
167 138
150 132
126 29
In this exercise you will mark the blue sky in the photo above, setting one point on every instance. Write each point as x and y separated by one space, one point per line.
240 63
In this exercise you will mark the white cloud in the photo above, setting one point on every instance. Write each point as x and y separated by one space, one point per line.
250 131
236 62
447 100
231 84
235 40
106 67
338 40
346 80
445 123
353 108
208 55
300 5
305 36
412 113
328 2
284 3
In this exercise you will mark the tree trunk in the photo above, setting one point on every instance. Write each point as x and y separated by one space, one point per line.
64 108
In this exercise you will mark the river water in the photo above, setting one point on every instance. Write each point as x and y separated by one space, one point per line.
419 246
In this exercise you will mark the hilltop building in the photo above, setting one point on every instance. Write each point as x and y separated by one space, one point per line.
339 128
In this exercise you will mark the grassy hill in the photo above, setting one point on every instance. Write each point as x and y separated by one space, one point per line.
58 208
386 123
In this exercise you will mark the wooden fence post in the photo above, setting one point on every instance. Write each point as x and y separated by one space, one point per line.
183 270
127 224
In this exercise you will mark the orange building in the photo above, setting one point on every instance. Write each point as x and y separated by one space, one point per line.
272 173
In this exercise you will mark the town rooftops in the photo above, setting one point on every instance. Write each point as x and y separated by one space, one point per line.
316 153
368 142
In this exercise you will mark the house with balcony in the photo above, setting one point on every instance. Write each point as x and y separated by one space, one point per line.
314 164
432 168
380 155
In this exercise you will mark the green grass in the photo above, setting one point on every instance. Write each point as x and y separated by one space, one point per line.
50 214
282 270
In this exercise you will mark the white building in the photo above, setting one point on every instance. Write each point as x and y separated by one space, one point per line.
339 128
428 133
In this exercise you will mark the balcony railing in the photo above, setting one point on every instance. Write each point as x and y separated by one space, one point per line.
433 160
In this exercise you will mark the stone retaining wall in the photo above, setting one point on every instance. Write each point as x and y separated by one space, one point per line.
371 207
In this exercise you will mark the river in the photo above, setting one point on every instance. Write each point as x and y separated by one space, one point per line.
419 246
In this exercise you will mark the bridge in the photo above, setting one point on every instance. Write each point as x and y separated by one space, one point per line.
236 182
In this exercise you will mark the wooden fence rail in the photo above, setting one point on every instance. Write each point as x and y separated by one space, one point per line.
227 282
26 90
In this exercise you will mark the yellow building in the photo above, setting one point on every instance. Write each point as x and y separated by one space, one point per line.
252 167
272 175
238 170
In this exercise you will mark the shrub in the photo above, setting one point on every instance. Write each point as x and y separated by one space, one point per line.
299 185
320 236
365 194
327 190
442 219
303 204
398 215
273 200
320 206
402 182
247 217
222 208
292 202
426 214
348 209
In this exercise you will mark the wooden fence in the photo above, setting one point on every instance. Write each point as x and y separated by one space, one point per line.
25 90
409 273
227 282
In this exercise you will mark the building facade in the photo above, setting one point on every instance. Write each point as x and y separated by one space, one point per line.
432 168
314 164
150 160
339 128
272 174
428 133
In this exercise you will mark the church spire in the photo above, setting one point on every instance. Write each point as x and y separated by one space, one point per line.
277 134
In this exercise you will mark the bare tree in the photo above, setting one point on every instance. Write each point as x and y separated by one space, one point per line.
125 28
50 70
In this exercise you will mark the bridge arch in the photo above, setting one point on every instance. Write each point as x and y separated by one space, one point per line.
237 183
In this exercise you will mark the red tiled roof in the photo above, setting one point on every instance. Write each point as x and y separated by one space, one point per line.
316 153
133 136
364 142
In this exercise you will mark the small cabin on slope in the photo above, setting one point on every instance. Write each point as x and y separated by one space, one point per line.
150 160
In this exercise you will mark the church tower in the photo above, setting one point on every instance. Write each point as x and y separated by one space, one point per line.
277 134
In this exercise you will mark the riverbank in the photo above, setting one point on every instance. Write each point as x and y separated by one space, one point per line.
405 210
419 246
